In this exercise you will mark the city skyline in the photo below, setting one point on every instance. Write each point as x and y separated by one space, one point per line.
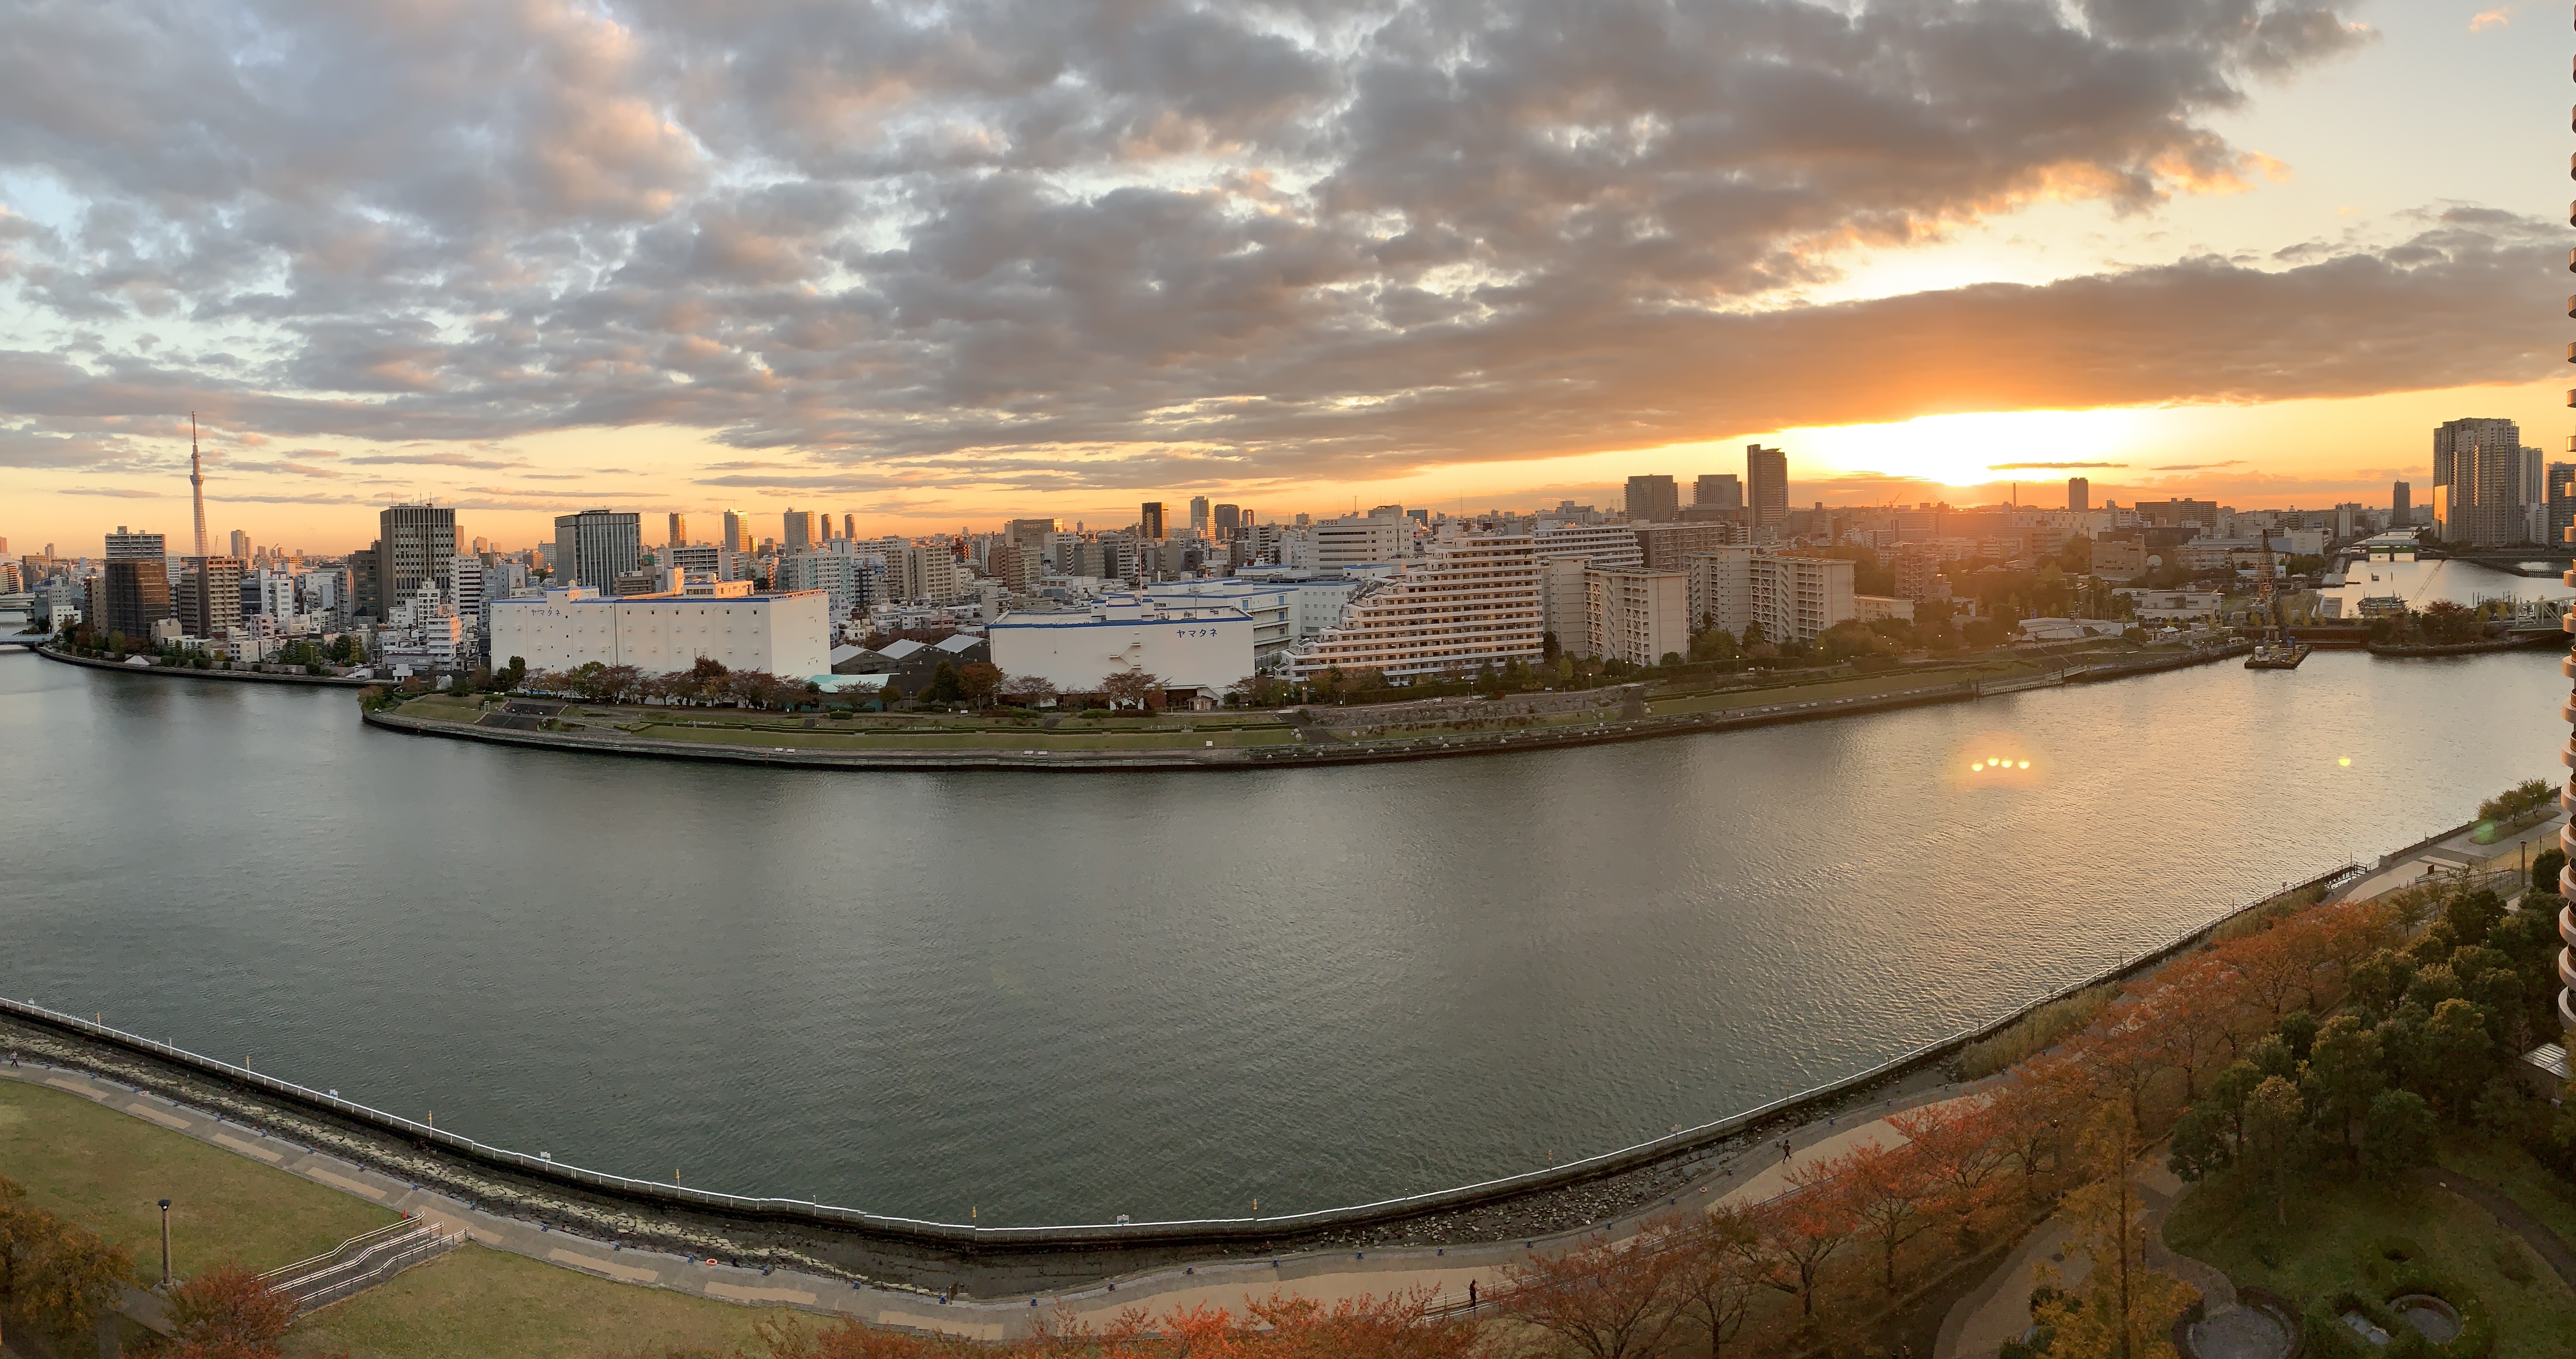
2185 240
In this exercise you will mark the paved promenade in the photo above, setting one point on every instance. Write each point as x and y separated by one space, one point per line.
1755 1174
2455 854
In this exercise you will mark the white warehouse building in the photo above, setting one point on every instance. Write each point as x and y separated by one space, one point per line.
1189 645
785 634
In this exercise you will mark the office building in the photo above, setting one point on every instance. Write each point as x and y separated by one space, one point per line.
679 531
1766 484
1653 500
1284 608
1637 616
1199 515
1470 602
413 543
2401 505
209 597
2561 502
1229 521
1788 597
2079 495
134 585
2479 482
1717 494
241 546
783 634
798 533
366 587
595 547
1187 643
1149 520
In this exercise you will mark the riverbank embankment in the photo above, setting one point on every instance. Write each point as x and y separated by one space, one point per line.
1310 744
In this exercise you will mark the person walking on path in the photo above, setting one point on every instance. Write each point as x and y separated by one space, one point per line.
1471 1295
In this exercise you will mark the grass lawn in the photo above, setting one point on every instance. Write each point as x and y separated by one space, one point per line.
105 1169
479 1303
442 708
2335 1215
2542 1193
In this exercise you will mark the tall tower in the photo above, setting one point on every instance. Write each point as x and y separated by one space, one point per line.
197 483
1766 484
2567 795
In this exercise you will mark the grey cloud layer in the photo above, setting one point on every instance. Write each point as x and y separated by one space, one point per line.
1064 244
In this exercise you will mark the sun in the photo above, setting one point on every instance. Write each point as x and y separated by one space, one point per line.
2036 448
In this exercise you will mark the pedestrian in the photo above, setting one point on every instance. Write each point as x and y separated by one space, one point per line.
1471 1292
1784 1151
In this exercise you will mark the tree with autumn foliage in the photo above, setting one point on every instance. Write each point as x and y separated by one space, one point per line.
1891 1194
56 1276
2124 1308
1799 1231
1964 1153
227 1313
1132 688
1605 1299
1721 1271
1389 1326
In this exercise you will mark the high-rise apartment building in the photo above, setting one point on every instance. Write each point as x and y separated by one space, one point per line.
679 535
241 545
2401 505
1653 500
2480 476
1636 616
734 542
1666 546
1788 597
1470 602
1199 514
209 598
798 533
134 585
2561 491
2079 494
1718 493
1228 521
1766 484
595 547
413 544
1149 520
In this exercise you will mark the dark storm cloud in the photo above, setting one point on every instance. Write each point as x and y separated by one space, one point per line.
1067 245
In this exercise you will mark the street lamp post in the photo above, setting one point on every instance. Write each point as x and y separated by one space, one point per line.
165 1243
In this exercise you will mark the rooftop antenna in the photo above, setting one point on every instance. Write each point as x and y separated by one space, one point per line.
197 483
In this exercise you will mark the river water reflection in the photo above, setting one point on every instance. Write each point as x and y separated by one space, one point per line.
1065 997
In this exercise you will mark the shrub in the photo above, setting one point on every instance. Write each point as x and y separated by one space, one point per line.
2041 1028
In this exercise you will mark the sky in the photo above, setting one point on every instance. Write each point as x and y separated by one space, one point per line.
935 265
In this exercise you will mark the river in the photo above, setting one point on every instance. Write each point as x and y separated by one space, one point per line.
1046 998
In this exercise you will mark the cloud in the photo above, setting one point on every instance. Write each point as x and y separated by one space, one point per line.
440 459
2197 466
2048 466
1065 244
117 492
2491 18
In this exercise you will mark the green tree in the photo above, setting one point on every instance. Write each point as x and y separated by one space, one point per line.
2457 1055
2545 869
2398 1134
2276 1139
2343 1076
946 686
2471 914
2203 1143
